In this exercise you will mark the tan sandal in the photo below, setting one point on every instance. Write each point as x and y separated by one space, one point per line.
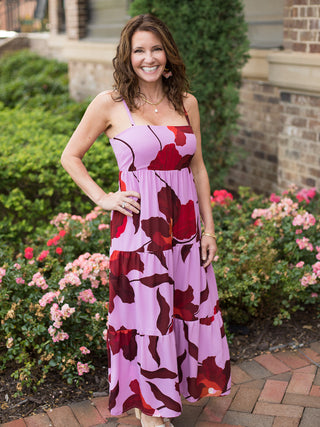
138 416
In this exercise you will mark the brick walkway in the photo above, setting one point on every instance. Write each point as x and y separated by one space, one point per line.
279 390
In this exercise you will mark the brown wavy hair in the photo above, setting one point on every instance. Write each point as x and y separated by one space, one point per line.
126 80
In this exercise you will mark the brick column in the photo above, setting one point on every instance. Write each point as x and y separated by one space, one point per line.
53 16
56 16
302 25
76 18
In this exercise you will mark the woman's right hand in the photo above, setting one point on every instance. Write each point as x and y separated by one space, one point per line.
121 201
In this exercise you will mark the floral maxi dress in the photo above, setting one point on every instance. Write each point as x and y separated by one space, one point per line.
165 331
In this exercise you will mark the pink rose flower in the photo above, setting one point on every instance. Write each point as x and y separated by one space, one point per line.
87 296
43 255
274 198
82 368
48 298
2 273
306 194
222 197
103 226
316 268
28 253
304 243
84 350
308 279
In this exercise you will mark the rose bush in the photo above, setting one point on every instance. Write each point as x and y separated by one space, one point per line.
269 251
54 294
54 300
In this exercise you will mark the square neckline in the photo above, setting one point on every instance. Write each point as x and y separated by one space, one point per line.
149 126
133 124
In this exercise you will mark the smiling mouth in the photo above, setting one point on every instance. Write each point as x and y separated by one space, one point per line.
150 69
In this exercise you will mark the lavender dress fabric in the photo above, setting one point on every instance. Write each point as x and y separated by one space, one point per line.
165 331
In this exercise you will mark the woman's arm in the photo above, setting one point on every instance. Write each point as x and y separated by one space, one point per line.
93 123
200 175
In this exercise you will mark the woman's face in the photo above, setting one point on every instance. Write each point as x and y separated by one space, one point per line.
148 57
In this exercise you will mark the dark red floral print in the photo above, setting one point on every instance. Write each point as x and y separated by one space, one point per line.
164 320
123 262
136 400
180 133
169 159
165 332
125 340
119 220
183 307
182 217
211 379
160 233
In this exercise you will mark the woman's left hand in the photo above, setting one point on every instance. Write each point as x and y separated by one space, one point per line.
208 250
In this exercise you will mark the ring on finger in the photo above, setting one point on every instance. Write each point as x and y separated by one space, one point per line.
123 205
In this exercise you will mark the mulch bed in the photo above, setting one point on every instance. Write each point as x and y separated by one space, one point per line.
249 341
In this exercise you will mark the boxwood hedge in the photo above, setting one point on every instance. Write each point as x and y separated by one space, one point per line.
37 117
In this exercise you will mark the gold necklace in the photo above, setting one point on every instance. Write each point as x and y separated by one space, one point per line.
152 103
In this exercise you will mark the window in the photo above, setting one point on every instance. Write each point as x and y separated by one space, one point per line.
265 23
106 19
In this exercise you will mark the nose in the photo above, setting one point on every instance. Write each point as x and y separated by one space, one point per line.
148 57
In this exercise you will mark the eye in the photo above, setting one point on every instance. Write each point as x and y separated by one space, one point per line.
137 50
158 48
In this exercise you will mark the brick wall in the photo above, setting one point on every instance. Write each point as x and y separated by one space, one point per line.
302 25
279 126
280 135
259 127
76 18
299 143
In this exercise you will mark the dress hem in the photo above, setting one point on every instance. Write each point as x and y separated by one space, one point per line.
189 399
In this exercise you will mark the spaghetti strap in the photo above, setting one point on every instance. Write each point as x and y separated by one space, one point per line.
129 113
187 117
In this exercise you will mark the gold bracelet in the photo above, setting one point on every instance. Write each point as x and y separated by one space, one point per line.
213 235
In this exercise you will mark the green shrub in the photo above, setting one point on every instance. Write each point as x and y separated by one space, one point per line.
25 74
37 118
33 185
211 36
28 64
29 81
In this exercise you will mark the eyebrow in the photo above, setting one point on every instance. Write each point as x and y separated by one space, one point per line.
141 47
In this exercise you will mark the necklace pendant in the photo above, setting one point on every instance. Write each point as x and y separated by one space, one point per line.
156 110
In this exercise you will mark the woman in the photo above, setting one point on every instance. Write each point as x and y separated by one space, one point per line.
165 331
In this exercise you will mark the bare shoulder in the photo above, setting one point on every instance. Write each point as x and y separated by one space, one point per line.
105 108
190 102
191 106
104 99
192 109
